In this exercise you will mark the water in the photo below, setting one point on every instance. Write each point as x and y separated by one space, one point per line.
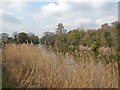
70 60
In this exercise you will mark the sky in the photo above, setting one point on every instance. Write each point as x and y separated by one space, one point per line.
41 16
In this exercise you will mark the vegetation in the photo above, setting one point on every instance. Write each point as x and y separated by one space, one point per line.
95 46
68 42
20 38
34 67
75 59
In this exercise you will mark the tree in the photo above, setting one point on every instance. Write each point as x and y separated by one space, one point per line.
34 39
15 36
23 37
60 29
4 35
48 39
30 34
46 33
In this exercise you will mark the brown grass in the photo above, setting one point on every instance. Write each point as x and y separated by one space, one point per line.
34 67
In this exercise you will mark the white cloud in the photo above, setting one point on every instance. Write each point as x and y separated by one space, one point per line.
9 17
52 8
18 6
10 28
83 21
1 11
108 20
11 22
77 23
66 5
72 13
62 0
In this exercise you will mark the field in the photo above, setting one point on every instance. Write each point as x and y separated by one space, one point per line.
32 66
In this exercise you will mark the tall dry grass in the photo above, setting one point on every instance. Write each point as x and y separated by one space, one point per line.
33 67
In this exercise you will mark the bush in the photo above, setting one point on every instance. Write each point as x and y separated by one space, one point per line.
118 26
95 46
106 34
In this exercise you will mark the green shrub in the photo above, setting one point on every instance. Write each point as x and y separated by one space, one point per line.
106 34
95 46
118 26
95 54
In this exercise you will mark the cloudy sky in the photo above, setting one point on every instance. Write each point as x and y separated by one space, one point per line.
41 16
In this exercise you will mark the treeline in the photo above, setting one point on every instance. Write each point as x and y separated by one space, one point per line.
64 41
19 38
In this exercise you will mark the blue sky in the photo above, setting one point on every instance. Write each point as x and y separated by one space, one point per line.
39 17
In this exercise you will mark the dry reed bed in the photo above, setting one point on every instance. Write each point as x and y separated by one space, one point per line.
34 67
